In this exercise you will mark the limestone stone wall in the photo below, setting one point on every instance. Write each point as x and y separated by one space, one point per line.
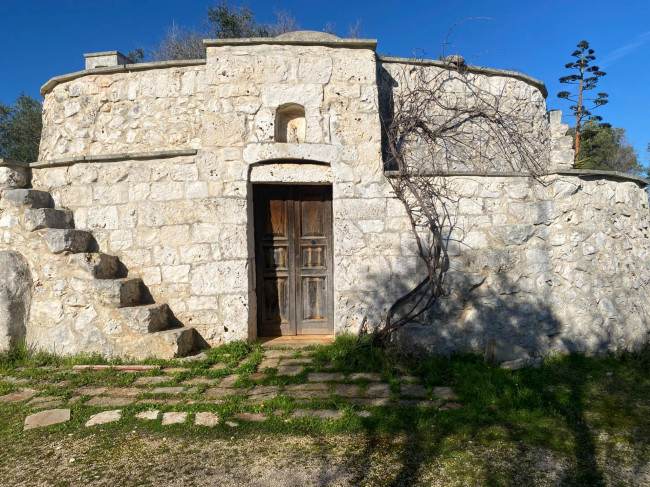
120 112
550 265
170 223
433 86
558 266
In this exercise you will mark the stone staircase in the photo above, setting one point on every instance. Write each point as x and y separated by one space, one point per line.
103 279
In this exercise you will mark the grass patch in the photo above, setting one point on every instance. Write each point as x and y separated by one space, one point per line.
585 410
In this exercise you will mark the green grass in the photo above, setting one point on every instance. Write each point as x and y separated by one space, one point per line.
581 408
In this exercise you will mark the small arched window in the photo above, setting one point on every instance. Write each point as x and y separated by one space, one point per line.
290 123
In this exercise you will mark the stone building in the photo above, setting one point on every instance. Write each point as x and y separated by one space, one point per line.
181 204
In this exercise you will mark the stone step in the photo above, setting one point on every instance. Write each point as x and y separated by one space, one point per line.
97 266
167 344
117 293
67 240
147 318
35 219
29 198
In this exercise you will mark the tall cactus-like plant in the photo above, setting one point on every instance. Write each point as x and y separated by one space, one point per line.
585 79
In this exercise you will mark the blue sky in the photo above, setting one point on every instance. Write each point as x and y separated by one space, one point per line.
42 39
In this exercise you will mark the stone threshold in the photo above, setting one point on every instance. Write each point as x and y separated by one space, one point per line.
69 161
295 341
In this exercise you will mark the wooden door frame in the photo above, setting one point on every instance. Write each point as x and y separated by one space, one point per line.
293 202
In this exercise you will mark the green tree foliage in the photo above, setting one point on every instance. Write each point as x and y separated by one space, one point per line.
224 21
586 79
20 129
234 22
605 147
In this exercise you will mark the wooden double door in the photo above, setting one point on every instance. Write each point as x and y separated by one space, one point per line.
293 256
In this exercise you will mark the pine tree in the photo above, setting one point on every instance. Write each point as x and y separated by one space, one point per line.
586 80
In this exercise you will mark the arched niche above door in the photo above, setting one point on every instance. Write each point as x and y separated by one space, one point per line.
290 123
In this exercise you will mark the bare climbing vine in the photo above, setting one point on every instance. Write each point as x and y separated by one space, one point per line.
444 121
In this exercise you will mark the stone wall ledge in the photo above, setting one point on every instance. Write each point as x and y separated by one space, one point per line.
275 151
330 42
472 69
12 163
122 68
595 173
68 161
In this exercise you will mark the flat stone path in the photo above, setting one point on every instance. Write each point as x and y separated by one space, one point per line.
47 418
300 380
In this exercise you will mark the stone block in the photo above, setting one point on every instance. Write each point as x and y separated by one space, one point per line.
317 414
67 240
13 176
148 415
29 198
104 417
324 376
36 219
98 266
172 343
173 418
47 418
206 419
146 318
117 293
413 390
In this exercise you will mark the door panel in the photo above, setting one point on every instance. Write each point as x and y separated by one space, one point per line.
293 259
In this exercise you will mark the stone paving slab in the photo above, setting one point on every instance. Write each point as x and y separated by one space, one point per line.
416 402
378 390
325 376
228 381
291 370
278 353
174 418
153 400
347 390
148 415
447 393
268 364
19 395
296 361
258 376
219 366
206 419
219 392
363 414
199 381
143 381
365 401
318 413
254 417
46 418
15 381
90 391
104 417
414 390
263 391
366 376
102 401
167 390
123 392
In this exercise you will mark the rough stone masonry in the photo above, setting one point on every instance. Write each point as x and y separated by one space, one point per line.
134 232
